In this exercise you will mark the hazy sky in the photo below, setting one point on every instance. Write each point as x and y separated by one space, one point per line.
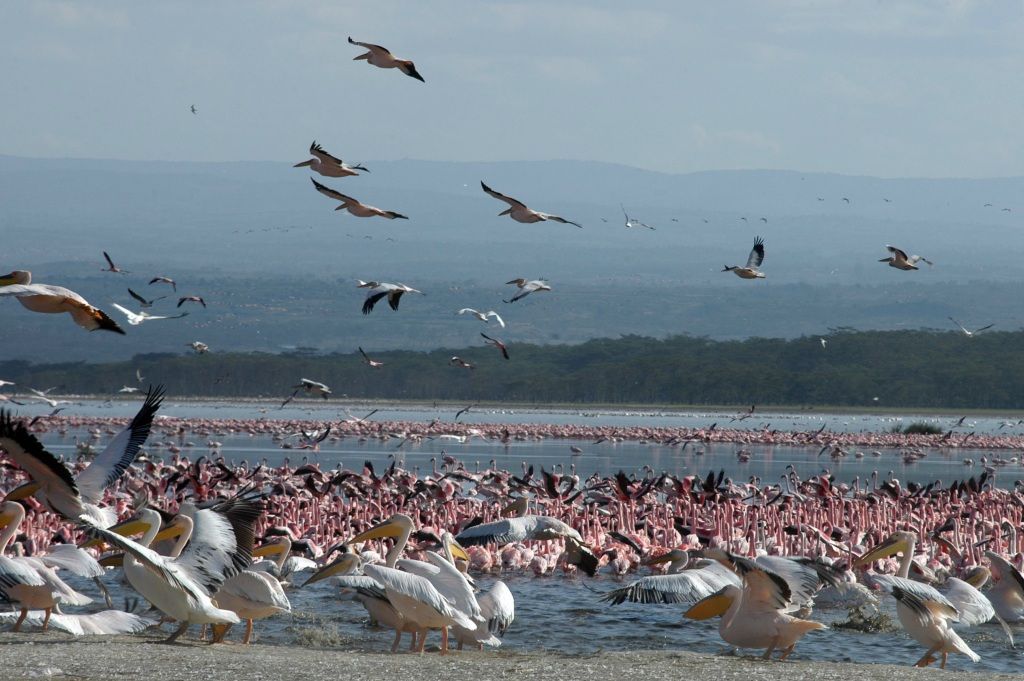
887 87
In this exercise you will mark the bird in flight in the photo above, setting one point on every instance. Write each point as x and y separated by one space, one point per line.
372 363
462 411
519 212
484 316
824 343
846 199
394 293
112 267
49 299
899 259
457 361
754 260
312 388
193 109
381 57
527 287
327 165
633 222
360 210
969 333
164 280
142 301
199 347
137 318
191 299
496 343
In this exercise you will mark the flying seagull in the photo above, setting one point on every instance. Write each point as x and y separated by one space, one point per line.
527 287
899 259
393 292
484 316
968 333
54 299
381 57
519 212
137 318
750 271
360 210
327 165
142 301
496 343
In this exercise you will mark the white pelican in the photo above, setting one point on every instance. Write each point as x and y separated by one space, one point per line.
327 165
519 212
111 267
498 608
372 363
968 332
750 271
199 347
164 280
1007 592
901 261
381 57
526 287
754 615
55 299
76 498
537 527
142 301
360 210
252 595
314 388
632 222
682 586
394 293
142 316
925 613
366 284
191 299
220 541
484 316
285 565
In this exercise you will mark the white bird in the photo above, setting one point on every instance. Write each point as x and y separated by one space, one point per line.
633 222
967 332
77 497
327 165
484 316
372 363
199 347
824 343
394 293
129 389
498 608
899 259
312 388
526 287
682 586
522 528
250 594
1007 592
55 299
381 57
360 210
519 212
142 316
754 260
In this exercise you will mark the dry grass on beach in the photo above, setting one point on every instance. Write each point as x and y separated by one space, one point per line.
59 656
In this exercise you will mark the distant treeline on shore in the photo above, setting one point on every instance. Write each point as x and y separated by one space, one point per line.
895 369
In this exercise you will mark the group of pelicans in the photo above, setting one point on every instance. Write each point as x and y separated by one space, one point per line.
728 556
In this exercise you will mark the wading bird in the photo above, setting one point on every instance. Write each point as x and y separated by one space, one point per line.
632 222
199 347
457 361
519 212
750 271
899 259
191 299
55 299
360 210
381 57
327 165
313 388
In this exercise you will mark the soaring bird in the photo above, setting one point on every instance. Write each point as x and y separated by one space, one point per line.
967 332
312 388
164 280
484 316
632 222
77 497
526 287
394 293
50 299
372 363
519 212
457 361
143 316
191 299
496 343
112 267
750 271
199 347
193 109
899 259
360 210
327 165
381 57
142 301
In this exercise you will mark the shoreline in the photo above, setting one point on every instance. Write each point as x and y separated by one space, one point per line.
60 656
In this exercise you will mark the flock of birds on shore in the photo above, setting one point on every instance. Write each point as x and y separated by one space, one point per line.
758 557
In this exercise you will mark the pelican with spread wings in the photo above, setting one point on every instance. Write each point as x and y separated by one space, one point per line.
382 58
754 260
327 165
360 210
50 299
520 212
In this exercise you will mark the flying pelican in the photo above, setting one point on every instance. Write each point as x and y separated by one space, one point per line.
366 284
129 389
900 261
55 299
112 267
372 363
164 280
756 614
381 57
393 292
360 210
142 301
680 586
968 333
76 497
925 614
220 541
200 347
496 343
313 388
143 316
457 361
191 299
519 212
484 316
630 223
527 287
537 527
750 271
327 165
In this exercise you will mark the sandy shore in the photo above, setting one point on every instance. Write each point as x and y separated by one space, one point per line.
59 656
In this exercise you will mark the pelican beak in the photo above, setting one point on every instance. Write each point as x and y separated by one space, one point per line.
7 279
125 529
889 547
172 531
343 566
714 605
22 492
267 549
385 529
303 164
113 560
657 560
458 552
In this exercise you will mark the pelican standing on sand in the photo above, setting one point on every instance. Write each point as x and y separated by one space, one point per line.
360 210
381 57
327 165
519 211
55 299
754 260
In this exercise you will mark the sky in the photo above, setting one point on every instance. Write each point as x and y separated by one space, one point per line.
891 88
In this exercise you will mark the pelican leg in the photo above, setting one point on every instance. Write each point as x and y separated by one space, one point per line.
771 649
248 632
944 656
786 652
219 632
421 634
103 590
46 618
927 658
177 632
444 640
398 639
412 642
21 618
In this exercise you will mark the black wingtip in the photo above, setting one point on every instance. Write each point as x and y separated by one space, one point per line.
108 324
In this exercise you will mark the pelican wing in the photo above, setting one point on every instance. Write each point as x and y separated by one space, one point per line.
419 589
369 46
498 607
19 290
324 157
14 572
973 606
501 197
222 540
28 452
756 254
899 253
363 585
372 300
497 318
683 587
924 601
331 194
448 581
763 588
256 588
109 261
110 465
510 530
803 580
1003 569
557 218
133 318
73 559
